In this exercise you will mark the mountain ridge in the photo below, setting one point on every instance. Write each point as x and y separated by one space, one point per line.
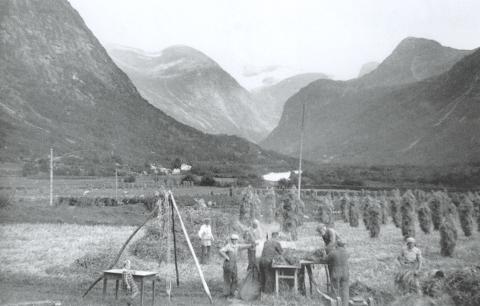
272 98
60 88
357 122
191 87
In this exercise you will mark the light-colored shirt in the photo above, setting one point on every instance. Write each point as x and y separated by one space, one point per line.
411 255
205 233
230 249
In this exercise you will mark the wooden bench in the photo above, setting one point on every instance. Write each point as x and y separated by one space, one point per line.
139 276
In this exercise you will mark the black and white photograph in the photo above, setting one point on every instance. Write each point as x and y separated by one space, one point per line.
240 152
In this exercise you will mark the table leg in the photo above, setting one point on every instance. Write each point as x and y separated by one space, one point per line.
116 288
276 281
104 287
329 285
310 278
153 292
295 281
141 292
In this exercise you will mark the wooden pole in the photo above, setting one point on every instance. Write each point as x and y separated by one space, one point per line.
174 242
301 151
116 184
151 216
51 176
199 269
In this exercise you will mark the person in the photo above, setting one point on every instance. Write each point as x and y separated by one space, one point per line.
271 249
230 252
411 256
337 261
205 234
410 260
252 236
330 237
128 284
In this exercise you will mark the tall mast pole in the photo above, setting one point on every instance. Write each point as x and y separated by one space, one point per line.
51 176
302 127
116 183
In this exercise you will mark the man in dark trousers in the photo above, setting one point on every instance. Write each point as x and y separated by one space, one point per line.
337 261
230 252
271 248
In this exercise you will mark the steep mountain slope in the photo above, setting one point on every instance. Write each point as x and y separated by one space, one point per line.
272 98
434 121
414 59
192 88
367 68
59 87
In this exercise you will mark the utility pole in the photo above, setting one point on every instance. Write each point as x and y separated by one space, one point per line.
301 151
51 176
116 183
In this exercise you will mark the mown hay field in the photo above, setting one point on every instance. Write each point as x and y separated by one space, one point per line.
56 252
55 261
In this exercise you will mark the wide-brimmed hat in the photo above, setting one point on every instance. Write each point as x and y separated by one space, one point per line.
234 237
410 240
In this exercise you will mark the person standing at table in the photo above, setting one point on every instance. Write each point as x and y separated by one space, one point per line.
271 248
337 261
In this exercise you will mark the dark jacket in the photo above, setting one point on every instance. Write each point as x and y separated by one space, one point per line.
271 248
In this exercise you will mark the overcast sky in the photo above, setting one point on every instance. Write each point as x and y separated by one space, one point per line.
334 37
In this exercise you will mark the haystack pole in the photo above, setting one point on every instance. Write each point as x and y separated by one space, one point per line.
199 269
117 258
302 132
174 241
51 176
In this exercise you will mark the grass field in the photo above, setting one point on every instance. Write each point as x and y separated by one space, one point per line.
38 260
55 253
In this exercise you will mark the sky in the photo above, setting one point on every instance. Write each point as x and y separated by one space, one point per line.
257 39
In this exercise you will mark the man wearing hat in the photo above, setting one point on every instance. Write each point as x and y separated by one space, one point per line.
205 234
230 277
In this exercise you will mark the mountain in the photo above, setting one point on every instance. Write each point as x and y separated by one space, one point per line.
60 88
414 59
272 98
192 88
367 68
434 121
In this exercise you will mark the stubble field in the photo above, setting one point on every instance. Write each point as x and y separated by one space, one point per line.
54 253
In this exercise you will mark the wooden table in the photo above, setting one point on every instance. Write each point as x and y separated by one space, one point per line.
281 272
327 274
139 276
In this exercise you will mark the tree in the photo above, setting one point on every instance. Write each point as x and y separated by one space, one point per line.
207 180
284 183
177 163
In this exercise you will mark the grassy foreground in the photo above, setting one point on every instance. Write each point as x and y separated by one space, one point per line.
38 262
